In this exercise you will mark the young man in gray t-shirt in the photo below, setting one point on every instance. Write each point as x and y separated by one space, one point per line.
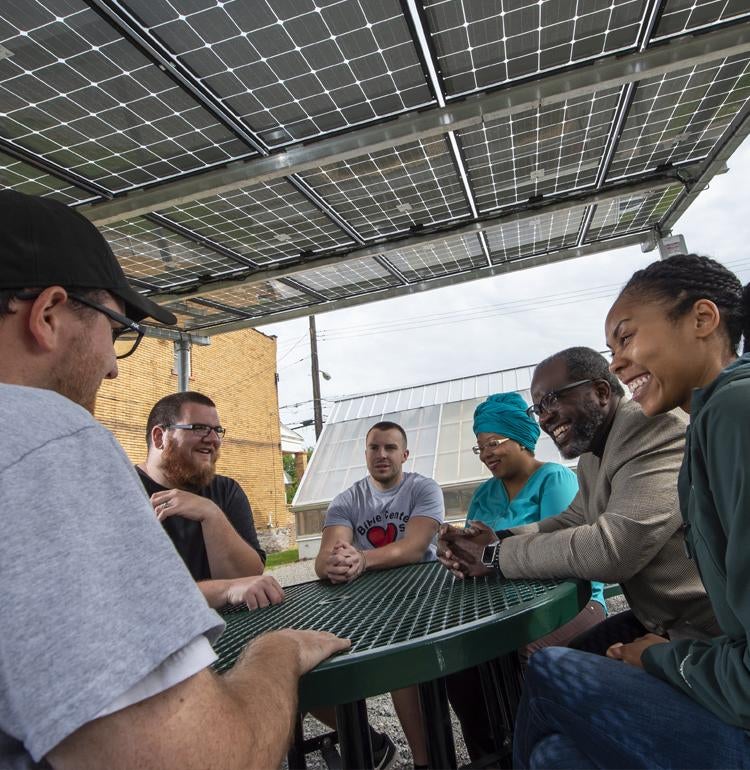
105 638
387 519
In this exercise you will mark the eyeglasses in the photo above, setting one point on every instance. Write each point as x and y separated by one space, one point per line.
548 400
124 346
199 429
493 443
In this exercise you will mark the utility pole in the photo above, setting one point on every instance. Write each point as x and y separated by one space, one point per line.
317 409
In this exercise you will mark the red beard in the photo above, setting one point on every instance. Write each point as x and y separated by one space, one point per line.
186 474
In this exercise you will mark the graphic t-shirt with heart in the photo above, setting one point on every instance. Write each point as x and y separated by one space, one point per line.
378 518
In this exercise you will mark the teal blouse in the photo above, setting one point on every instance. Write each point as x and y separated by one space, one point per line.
549 491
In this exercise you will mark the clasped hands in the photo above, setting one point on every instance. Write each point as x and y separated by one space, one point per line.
345 563
460 550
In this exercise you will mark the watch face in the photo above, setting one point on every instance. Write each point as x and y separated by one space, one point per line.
488 554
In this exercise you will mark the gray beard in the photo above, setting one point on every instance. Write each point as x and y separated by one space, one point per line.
583 431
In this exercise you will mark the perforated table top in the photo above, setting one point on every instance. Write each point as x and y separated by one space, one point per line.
407 625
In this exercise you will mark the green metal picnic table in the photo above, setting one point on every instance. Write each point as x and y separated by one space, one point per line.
410 625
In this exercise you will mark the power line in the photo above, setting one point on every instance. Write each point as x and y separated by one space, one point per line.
294 345
302 403
443 319
511 307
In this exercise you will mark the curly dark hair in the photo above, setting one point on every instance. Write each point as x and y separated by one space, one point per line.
684 279
586 364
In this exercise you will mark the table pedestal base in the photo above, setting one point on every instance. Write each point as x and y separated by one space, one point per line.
437 723
354 735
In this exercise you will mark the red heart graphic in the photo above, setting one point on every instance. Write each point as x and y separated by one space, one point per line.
379 537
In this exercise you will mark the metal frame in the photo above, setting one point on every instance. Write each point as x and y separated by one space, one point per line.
547 258
513 214
716 165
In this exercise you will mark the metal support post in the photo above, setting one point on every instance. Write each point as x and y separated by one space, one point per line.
296 756
354 735
437 724
182 348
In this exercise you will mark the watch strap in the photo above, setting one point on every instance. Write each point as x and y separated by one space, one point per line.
496 559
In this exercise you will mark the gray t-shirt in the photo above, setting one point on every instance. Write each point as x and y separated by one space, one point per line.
93 596
378 518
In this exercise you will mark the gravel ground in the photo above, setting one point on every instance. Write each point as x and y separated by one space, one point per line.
296 572
380 709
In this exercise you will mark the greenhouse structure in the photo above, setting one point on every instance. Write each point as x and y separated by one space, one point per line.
437 418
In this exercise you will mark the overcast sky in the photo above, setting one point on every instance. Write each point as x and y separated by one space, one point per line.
493 323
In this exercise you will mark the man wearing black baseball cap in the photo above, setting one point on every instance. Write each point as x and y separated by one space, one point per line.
45 243
105 636
55 265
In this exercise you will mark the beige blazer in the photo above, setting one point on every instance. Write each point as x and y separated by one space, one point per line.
624 526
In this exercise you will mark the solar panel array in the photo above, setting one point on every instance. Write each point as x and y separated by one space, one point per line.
252 162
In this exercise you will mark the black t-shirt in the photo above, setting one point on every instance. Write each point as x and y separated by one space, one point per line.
187 535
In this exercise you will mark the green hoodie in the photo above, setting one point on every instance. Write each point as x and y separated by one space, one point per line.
714 490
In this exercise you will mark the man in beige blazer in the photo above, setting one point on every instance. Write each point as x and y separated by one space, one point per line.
624 525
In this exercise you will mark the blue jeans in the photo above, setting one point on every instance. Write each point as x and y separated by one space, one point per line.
584 711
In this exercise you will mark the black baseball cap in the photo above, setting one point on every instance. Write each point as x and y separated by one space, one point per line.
46 243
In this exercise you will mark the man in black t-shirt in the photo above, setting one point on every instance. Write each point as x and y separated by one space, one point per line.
207 516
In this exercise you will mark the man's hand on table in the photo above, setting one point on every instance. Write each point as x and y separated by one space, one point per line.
256 591
313 647
460 550
631 653
345 563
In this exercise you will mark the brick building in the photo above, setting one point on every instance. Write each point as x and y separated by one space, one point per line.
238 371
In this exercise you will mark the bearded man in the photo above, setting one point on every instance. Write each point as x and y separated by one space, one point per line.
207 516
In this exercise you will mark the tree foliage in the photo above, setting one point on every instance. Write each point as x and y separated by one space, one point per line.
291 470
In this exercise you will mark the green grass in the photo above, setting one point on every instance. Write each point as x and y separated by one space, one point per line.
282 557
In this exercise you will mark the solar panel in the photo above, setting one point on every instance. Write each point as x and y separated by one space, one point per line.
75 92
162 257
681 16
680 117
265 222
543 151
262 159
629 213
534 235
293 70
393 190
479 45
350 277
438 258
255 299
26 178
193 316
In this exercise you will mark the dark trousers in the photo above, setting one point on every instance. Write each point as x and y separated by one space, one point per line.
623 627
465 687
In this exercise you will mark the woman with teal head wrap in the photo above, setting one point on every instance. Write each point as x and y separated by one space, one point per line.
522 490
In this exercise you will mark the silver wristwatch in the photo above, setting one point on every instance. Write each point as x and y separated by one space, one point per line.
491 555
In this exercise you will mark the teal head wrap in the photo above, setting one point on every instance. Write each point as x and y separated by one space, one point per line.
505 414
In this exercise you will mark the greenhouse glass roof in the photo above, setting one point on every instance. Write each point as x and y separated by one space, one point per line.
437 419
256 161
